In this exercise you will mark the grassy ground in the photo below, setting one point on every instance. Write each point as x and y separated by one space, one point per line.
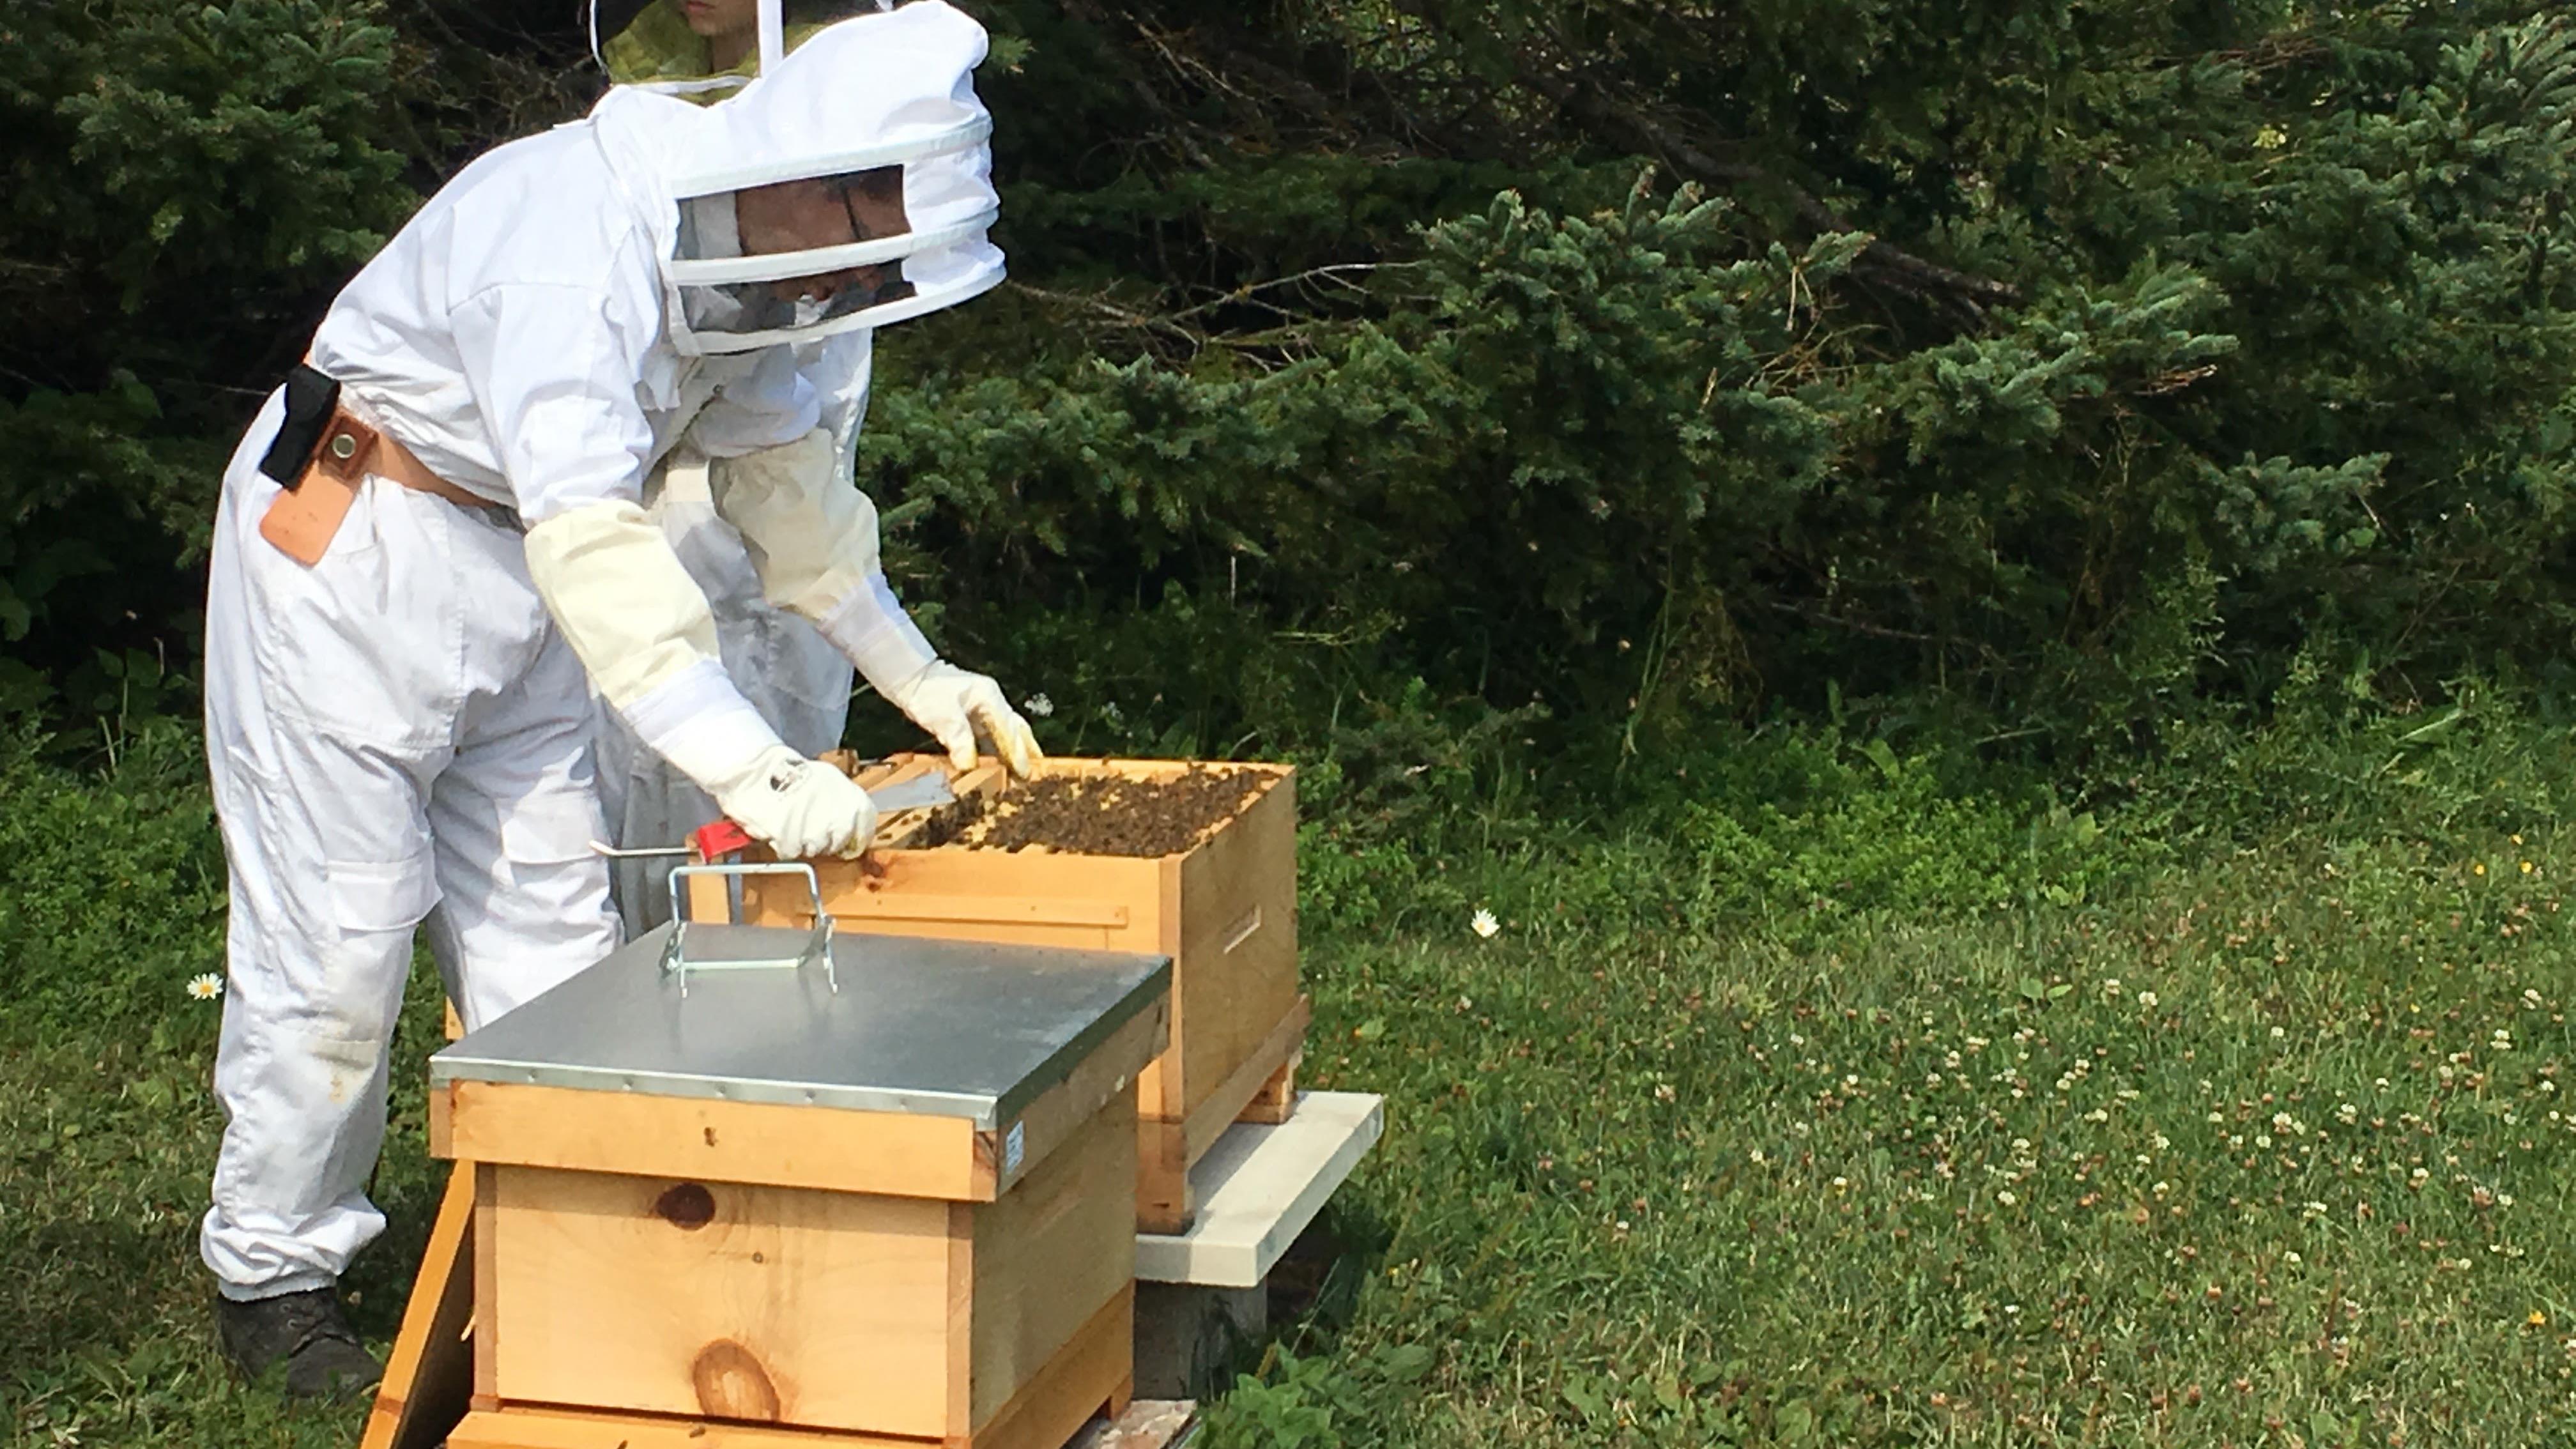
1825 1101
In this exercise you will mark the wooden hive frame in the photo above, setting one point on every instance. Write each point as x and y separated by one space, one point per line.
1224 910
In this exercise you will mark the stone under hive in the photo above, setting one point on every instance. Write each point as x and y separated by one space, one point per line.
882 1197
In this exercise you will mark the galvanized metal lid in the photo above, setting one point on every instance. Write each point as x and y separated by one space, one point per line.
932 1028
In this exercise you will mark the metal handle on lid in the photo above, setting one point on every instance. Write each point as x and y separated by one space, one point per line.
818 945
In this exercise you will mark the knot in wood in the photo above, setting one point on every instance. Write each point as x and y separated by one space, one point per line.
687 1206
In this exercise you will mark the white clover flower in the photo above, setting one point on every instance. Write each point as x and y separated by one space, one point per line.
1483 923
1038 706
2147 999
206 987
2006 1198
2292 1258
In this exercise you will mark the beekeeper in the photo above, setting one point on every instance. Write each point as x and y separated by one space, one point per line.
704 50
434 531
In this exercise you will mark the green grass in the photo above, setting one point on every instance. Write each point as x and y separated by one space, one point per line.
2271 1149
1837 1098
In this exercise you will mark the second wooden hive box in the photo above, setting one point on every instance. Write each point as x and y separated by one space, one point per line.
1224 908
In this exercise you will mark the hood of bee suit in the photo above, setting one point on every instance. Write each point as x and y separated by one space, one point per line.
892 89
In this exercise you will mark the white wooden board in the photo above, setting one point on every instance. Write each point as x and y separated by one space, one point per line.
1259 1187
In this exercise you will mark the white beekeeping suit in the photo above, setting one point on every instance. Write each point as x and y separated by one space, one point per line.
398 697
798 681
783 665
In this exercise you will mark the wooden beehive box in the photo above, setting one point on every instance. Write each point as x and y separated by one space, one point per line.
1223 907
886 1205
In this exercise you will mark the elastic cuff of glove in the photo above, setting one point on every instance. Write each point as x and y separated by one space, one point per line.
872 630
699 722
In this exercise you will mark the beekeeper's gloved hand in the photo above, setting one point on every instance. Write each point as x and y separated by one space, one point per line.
958 706
643 631
801 807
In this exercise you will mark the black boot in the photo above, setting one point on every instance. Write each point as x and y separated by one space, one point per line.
309 1332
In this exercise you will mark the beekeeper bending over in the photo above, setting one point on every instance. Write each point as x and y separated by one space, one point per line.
704 51
434 531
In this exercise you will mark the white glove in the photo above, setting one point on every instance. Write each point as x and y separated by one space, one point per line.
801 807
956 706
645 634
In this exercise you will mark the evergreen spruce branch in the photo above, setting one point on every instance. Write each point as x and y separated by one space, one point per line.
1212 59
1182 132
1250 293
1125 317
2271 53
1286 342
1882 261
1964 293
1977 648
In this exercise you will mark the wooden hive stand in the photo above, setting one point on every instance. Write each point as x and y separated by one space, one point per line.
1224 910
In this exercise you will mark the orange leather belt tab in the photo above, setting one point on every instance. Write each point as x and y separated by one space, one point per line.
301 521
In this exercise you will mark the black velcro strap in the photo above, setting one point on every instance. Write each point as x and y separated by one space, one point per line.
312 397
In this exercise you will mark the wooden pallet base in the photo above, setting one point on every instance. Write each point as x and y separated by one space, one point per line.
1088 1378
1263 1089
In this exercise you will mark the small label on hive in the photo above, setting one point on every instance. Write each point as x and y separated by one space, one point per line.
1014 1144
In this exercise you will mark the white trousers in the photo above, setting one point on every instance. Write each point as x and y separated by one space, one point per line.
397 735
794 676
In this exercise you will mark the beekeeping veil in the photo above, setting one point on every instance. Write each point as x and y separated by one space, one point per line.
674 46
869 138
